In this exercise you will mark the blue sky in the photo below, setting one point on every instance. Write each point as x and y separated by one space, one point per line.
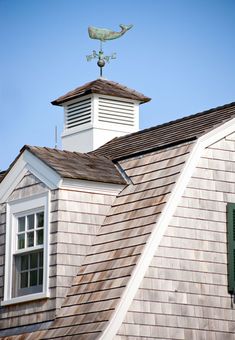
181 53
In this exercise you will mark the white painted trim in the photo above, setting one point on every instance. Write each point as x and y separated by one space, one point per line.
28 162
12 179
161 226
91 186
42 171
13 209
218 133
74 101
25 298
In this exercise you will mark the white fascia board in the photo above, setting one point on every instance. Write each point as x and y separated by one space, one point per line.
159 229
91 186
128 100
219 133
13 178
75 100
42 171
28 162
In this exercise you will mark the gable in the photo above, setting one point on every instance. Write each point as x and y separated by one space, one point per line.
28 186
27 162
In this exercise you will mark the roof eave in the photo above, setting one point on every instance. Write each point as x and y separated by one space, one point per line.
61 100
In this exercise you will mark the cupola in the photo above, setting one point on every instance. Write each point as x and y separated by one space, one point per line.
97 112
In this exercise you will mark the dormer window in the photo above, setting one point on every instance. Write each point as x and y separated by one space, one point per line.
28 254
26 264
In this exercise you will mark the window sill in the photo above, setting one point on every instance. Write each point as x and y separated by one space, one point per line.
25 298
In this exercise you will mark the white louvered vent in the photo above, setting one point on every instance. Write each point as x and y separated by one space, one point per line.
116 111
78 113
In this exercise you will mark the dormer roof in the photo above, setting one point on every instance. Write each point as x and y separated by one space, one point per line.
104 87
75 165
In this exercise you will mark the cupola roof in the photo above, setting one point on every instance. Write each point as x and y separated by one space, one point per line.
105 87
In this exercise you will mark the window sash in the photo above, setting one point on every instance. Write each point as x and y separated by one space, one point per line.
28 271
15 209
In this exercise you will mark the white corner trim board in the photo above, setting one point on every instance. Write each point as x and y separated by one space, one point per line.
28 162
138 274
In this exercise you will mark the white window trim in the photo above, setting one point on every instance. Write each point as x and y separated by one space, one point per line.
13 208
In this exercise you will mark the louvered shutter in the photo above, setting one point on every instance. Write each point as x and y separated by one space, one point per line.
116 111
78 113
231 246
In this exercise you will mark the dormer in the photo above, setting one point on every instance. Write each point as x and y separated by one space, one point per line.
97 112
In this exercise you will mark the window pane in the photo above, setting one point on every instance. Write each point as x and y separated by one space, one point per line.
40 219
24 262
33 260
30 241
40 259
24 280
30 221
33 278
21 224
40 236
21 241
40 277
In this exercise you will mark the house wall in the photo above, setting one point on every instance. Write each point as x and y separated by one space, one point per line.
75 218
184 294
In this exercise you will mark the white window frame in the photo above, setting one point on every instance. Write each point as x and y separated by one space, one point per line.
13 209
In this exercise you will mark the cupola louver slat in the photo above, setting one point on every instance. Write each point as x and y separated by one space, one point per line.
116 111
78 113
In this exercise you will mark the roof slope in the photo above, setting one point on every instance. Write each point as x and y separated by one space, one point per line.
102 279
105 87
175 132
75 165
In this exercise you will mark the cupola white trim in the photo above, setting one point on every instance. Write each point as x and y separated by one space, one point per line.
92 120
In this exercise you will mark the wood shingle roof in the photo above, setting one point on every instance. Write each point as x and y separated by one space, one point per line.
75 165
172 133
105 87
108 266
153 159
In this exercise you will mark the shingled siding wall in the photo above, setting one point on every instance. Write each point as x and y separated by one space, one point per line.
75 220
75 217
184 294
30 312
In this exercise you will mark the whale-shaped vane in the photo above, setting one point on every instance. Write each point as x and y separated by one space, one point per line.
104 34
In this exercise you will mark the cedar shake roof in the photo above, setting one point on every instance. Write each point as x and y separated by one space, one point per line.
2 174
109 264
76 165
172 133
105 87
160 154
107 268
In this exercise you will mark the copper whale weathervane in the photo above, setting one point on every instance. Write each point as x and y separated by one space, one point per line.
104 34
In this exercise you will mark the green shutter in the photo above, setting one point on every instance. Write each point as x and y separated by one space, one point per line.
231 246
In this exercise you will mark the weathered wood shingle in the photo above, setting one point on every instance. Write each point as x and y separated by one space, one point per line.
75 165
102 278
105 87
161 136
